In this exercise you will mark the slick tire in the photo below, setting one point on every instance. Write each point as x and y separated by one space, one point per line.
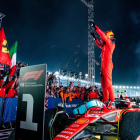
49 115
53 119
130 126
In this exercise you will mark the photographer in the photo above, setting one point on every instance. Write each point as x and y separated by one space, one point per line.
60 84
71 84
51 79
24 64
57 93
52 94
17 68
55 81
47 77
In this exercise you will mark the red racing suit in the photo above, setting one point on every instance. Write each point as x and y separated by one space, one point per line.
93 95
106 65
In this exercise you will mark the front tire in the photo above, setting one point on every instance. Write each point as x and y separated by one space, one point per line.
53 125
130 126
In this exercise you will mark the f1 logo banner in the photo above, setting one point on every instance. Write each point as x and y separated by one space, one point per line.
30 109
32 74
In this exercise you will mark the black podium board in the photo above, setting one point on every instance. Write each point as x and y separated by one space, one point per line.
30 108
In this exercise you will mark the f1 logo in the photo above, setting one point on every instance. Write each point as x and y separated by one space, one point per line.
32 74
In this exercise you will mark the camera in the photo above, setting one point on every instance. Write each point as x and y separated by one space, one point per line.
18 63
24 64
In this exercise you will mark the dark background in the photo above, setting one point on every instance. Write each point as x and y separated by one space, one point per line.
51 31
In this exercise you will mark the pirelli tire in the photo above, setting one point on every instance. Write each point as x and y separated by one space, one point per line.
130 126
52 117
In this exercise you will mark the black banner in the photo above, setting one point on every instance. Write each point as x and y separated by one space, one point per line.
30 109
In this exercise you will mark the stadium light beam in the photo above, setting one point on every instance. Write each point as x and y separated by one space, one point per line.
56 73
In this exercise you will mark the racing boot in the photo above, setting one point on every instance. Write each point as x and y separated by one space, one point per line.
111 105
106 103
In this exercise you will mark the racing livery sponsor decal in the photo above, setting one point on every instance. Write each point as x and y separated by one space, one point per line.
67 132
63 136
81 121
93 115
71 129
97 112
68 106
74 125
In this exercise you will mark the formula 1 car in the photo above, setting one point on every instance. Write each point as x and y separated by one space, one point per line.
93 120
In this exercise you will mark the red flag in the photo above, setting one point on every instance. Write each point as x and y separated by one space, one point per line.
4 52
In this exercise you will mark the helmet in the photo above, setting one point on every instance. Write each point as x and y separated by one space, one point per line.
118 95
110 34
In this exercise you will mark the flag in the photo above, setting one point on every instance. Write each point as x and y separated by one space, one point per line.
13 52
4 52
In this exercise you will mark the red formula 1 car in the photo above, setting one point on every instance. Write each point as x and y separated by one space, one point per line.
93 120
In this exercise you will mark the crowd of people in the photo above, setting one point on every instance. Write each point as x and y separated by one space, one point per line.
9 86
69 93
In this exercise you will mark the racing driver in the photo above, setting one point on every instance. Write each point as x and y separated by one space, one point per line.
107 44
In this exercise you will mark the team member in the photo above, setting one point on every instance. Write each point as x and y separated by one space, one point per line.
67 94
107 45
62 94
82 94
92 95
73 95
2 90
77 93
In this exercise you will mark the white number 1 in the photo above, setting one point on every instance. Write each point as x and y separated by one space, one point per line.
28 124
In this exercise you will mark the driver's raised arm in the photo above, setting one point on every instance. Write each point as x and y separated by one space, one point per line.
103 36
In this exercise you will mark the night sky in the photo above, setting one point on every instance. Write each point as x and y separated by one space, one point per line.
55 32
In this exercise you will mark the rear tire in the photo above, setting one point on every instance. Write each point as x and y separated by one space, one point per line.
130 126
